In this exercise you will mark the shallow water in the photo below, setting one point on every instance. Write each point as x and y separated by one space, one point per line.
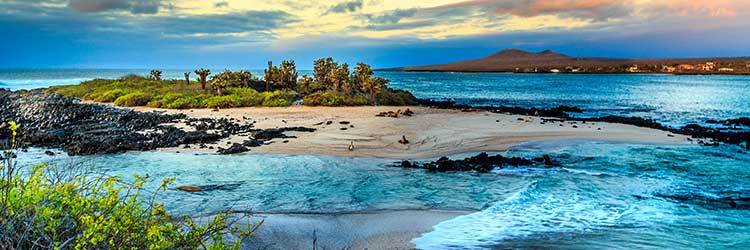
605 195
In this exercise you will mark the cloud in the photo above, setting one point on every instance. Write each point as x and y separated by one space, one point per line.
599 10
344 7
133 6
221 4
392 16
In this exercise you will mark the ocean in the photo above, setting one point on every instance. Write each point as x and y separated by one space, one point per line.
606 195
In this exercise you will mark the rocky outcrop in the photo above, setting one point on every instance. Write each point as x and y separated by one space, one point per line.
742 121
481 163
51 120
559 111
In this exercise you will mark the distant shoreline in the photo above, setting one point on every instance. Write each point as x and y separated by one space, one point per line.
571 73
519 61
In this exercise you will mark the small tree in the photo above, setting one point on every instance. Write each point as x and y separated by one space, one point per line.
155 74
242 78
322 69
374 85
221 81
270 76
202 75
338 78
305 84
187 78
287 75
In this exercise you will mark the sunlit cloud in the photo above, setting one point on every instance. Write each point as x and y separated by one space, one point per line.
293 25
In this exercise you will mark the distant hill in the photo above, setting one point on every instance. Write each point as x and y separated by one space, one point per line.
515 60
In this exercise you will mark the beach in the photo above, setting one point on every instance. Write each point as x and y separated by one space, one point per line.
431 132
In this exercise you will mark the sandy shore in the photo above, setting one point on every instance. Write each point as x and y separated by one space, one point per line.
431 132
362 230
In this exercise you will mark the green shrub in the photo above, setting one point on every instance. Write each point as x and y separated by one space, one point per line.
64 208
184 102
334 99
108 96
225 101
133 99
396 98
278 98
162 101
249 97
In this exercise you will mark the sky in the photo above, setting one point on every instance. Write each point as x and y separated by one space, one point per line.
184 34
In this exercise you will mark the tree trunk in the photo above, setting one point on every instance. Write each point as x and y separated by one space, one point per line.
203 83
218 91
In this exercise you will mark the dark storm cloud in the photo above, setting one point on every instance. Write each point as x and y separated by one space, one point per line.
133 6
350 6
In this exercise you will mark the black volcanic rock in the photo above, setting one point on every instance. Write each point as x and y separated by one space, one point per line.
481 163
51 120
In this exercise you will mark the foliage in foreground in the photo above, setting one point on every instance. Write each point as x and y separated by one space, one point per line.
44 207
332 84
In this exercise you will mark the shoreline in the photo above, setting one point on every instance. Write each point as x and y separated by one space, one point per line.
431 132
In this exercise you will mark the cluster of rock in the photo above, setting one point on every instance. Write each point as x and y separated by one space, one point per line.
693 130
481 163
51 120
559 111
395 114
261 137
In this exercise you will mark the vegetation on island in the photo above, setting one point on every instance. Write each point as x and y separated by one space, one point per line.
44 207
332 84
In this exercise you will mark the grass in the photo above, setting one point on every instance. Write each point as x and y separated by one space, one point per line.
176 94
171 94
44 207
333 99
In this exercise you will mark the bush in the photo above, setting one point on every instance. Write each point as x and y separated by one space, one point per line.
162 101
108 96
185 102
249 97
133 99
393 97
333 98
225 101
278 98
50 208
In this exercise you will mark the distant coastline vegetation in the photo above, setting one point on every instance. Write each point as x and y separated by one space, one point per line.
332 84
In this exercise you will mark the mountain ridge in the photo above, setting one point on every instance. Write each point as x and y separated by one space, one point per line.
517 60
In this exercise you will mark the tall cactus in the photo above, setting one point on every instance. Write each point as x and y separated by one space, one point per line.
156 74
202 74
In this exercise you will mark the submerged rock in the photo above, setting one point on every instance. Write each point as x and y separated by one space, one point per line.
205 188
722 201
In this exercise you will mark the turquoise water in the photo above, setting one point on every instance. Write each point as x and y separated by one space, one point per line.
606 195
611 196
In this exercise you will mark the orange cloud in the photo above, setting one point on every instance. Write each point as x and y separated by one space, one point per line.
710 8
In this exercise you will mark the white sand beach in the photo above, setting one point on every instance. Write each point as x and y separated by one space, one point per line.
430 132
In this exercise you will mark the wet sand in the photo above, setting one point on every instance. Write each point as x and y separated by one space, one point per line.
363 230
